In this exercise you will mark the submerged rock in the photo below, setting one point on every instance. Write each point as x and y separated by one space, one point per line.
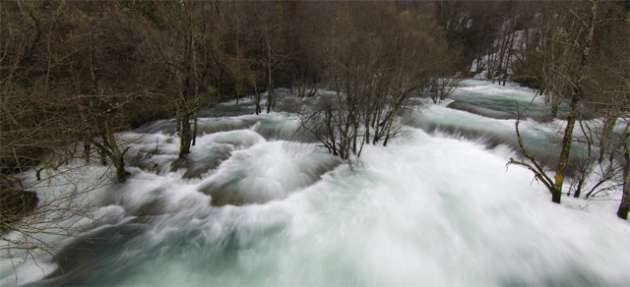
81 261
284 128
266 172
198 166
462 106
223 124
168 126
496 114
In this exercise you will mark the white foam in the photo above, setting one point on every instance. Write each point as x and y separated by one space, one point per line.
268 171
429 209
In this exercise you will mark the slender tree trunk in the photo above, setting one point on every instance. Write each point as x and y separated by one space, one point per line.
554 106
267 39
87 151
355 135
258 107
625 199
580 186
194 132
189 93
269 82
103 158
185 138
367 129
575 96
108 148
121 173
387 135
500 59
567 141
116 155
508 57
237 82
609 124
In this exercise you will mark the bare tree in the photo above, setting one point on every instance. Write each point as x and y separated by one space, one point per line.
624 206
573 37
374 67
440 88
46 51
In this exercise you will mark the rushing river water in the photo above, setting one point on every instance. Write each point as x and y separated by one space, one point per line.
258 203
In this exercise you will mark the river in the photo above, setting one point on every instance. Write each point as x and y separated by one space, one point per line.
259 203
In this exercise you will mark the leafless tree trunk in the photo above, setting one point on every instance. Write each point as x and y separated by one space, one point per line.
567 142
624 206
609 124
568 82
237 43
109 147
270 98
257 95
188 103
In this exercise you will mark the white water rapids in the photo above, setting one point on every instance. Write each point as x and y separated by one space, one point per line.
256 205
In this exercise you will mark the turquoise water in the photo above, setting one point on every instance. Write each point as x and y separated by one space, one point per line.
275 209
